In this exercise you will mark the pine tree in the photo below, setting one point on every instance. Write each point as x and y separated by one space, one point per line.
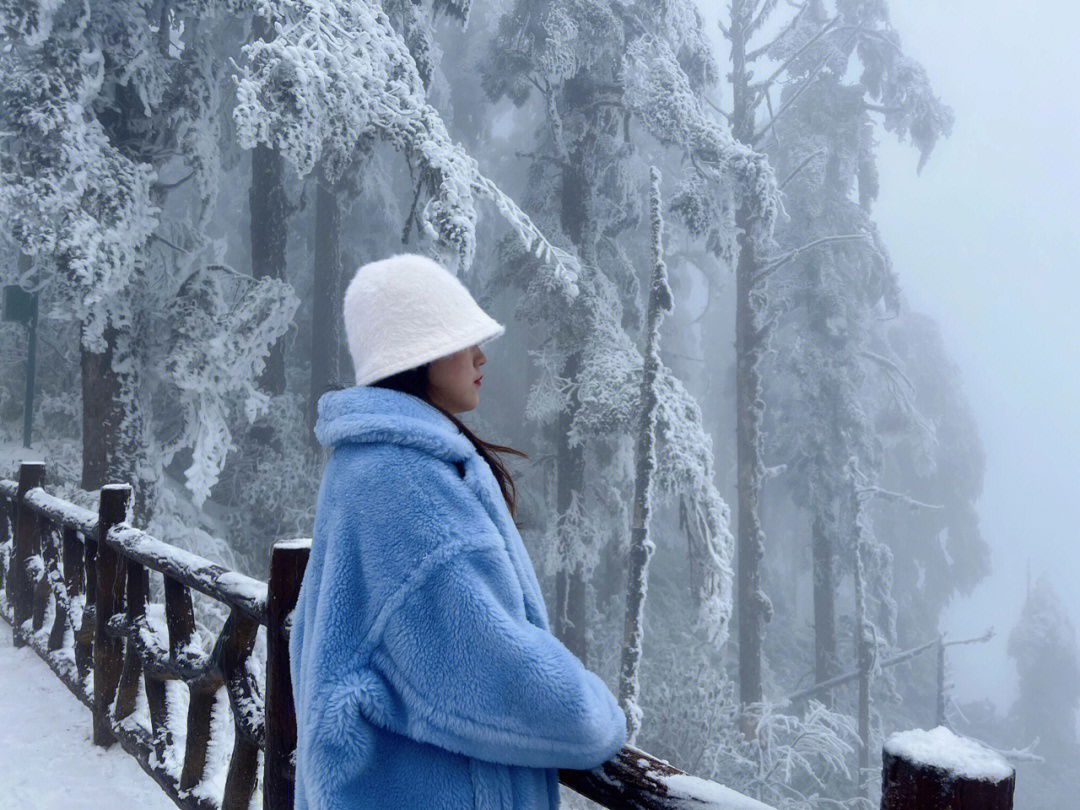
1043 644
606 75
110 114
808 46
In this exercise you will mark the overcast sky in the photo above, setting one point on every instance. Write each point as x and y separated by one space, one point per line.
986 240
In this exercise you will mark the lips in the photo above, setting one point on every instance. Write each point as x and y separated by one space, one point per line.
478 379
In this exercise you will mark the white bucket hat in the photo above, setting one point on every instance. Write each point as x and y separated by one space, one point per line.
407 310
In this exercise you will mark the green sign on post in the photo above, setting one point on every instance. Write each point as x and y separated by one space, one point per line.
22 306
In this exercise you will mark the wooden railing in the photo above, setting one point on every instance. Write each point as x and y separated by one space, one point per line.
87 575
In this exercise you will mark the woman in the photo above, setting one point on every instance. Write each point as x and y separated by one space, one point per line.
424 672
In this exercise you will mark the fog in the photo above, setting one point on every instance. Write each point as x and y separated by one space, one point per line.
791 341
988 239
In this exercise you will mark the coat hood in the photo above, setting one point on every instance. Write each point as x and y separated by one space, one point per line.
371 414
365 413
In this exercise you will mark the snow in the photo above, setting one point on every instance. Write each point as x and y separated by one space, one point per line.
59 510
961 756
300 542
57 765
231 587
702 792
243 586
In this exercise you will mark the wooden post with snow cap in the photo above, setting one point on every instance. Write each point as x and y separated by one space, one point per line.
288 560
938 770
109 569
26 543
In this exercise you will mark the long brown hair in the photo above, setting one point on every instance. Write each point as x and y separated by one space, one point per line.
415 381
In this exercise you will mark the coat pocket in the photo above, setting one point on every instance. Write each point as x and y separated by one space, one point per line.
492 789
340 741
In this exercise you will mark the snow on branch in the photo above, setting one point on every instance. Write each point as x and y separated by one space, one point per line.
67 191
685 466
727 174
218 351
336 71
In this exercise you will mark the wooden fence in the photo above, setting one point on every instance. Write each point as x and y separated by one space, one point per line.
75 587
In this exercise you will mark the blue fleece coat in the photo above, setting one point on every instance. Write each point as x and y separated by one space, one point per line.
424 673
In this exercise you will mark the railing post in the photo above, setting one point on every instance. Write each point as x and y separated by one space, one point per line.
27 541
939 770
288 560
112 509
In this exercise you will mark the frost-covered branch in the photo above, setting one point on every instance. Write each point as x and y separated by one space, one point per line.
728 174
792 174
777 263
337 71
218 351
762 87
807 81
641 545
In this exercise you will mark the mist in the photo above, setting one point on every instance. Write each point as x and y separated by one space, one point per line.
790 345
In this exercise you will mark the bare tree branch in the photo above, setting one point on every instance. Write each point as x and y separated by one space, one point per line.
989 634
811 77
763 86
167 243
170 186
791 254
719 109
897 496
800 167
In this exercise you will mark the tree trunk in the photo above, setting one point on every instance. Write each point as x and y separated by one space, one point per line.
269 230
268 240
916 785
641 547
570 586
824 602
754 608
864 638
114 429
753 613
326 297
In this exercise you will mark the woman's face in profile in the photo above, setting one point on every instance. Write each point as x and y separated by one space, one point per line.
453 381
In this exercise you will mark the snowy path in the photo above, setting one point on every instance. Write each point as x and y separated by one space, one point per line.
47 761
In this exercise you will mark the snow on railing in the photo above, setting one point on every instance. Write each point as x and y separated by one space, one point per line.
75 588
75 585
939 769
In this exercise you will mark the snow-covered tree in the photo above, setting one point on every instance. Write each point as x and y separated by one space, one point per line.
1043 645
110 112
829 298
608 78
940 553
336 72
811 45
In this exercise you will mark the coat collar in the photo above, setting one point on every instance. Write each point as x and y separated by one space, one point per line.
366 413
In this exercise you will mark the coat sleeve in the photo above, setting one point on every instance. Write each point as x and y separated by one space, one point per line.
457 665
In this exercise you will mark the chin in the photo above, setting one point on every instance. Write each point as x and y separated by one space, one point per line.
469 404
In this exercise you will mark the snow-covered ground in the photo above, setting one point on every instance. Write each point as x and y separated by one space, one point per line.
47 761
